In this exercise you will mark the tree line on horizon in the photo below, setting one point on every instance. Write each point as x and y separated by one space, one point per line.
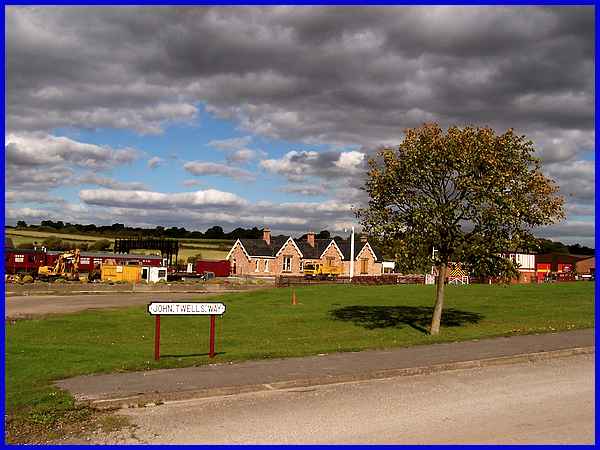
216 232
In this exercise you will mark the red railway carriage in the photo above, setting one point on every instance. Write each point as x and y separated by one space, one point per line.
28 260
220 268
23 260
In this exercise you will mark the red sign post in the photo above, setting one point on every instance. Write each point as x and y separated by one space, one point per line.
211 352
183 309
157 338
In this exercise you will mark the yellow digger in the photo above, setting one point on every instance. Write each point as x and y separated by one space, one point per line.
321 271
60 269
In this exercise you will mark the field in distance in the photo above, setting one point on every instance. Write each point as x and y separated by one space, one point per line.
212 249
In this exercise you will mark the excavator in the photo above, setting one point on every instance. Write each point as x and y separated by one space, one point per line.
60 270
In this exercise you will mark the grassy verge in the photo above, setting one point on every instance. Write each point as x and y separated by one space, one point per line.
263 324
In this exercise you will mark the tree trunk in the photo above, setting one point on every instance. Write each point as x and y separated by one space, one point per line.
439 301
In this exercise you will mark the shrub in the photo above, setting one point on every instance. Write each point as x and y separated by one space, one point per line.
54 243
193 259
102 244
27 279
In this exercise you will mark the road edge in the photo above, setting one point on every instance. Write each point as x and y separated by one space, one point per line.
153 399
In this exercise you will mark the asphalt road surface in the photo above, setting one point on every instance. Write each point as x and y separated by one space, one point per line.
34 305
544 402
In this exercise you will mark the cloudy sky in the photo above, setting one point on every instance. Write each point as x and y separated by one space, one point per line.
239 116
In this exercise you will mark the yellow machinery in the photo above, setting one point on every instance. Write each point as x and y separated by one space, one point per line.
321 271
118 273
61 269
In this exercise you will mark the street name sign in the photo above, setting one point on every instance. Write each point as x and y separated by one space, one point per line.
211 309
191 308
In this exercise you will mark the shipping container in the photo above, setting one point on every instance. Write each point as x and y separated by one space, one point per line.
116 273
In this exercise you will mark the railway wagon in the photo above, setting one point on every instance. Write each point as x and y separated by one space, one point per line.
220 268
18 260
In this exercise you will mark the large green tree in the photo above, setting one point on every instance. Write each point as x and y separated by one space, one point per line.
468 193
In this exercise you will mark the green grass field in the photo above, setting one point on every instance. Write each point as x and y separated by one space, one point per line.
25 236
264 324
213 249
207 253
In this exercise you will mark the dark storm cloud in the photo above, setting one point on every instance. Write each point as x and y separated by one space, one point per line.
351 75
322 75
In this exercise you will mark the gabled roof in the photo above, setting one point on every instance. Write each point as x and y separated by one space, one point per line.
259 248
237 242
332 242
290 239
344 246
367 247
311 252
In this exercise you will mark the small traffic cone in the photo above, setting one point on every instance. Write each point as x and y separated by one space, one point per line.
294 301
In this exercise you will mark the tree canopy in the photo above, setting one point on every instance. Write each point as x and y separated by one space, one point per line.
468 193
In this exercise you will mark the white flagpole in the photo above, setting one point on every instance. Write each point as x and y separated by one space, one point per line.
352 254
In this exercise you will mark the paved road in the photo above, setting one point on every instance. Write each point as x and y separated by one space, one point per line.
546 402
227 378
26 305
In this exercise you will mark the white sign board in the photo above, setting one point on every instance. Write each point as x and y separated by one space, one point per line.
188 308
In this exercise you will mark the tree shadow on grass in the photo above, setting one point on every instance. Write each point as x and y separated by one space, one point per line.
417 317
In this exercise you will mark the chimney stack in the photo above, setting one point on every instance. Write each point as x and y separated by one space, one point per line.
267 235
310 238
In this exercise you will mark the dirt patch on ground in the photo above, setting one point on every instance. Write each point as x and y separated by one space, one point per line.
77 425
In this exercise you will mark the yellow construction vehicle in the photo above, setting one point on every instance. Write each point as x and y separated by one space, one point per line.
61 269
321 271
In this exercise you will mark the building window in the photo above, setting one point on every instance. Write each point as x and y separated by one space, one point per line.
19 258
266 265
330 260
364 266
301 266
287 263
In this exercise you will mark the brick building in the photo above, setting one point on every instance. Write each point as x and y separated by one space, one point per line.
526 266
586 266
284 255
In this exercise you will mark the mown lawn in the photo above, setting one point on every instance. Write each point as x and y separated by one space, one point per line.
264 324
